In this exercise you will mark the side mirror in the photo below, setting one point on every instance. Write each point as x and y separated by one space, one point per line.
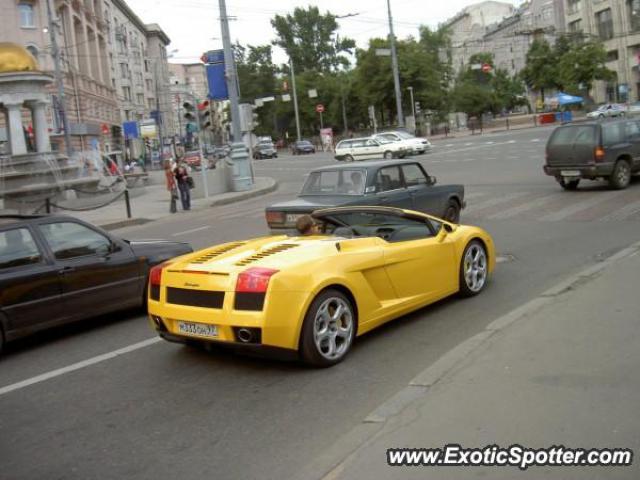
447 228
432 180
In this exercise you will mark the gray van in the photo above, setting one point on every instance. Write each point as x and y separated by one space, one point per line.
609 150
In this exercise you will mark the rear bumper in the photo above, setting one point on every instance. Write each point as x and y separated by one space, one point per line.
585 171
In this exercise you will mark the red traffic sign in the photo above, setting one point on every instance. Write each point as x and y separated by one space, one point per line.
104 128
319 108
486 68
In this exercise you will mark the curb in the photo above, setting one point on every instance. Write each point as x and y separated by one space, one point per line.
272 186
331 462
232 198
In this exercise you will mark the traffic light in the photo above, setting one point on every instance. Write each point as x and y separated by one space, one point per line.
418 108
189 116
204 116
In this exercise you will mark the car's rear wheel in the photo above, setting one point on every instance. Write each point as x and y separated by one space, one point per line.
569 184
474 269
328 330
388 155
452 212
621 175
348 158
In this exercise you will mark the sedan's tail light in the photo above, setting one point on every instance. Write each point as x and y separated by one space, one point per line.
598 154
275 217
254 280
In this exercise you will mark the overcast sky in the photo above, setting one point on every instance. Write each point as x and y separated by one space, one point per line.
194 26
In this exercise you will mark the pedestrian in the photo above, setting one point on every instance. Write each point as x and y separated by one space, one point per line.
182 179
171 184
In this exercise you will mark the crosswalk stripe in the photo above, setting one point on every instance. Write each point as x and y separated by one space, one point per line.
623 213
579 206
492 202
535 139
472 195
519 209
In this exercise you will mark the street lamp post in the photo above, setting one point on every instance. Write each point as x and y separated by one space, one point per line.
413 108
394 66
295 99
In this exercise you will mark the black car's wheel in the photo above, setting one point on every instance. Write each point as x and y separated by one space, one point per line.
474 268
275 155
328 329
569 184
452 212
388 155
348 158
621 175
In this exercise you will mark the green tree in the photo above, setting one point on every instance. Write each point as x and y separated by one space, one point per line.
539 72
580 65
310 39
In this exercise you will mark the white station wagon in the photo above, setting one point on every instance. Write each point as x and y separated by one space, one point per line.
367 148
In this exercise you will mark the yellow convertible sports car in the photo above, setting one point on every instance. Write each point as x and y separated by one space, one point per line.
312 295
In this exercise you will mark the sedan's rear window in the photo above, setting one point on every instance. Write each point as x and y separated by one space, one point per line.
335 182
17 248
574 135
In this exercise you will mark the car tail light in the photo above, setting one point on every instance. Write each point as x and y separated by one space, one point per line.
254 280
598 154
275 217
155 274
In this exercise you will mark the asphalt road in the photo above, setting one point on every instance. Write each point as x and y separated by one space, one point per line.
164 411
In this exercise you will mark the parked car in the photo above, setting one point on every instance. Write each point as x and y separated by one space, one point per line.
367 148
57 269
395 183
309 297
607 150
413 144
608 110
302 147
264 150
633 108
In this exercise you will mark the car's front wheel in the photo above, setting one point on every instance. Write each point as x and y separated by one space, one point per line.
388 155
474 269
328 330
348 158
621 175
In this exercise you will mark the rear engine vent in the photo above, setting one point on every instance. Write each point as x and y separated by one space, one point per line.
265 253
217 252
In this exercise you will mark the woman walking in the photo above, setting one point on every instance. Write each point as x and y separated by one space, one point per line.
182 179
171 184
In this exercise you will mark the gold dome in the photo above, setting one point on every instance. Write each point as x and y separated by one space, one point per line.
16 58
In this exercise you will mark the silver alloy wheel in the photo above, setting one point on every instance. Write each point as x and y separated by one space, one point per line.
333 328
475 267
623 173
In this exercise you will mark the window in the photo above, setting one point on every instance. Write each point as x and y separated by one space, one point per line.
26 15
126 93
70 240
573 6
389 227
634 14
33 50
612 55
613 133
18 248
388 179
633 130
604 21
413 175
140 98
575 27
331 182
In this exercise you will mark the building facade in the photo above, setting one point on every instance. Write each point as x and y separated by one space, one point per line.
107 58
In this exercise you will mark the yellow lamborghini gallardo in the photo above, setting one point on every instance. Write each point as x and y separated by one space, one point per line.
312 295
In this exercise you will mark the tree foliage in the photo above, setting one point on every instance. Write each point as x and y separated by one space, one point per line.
310 39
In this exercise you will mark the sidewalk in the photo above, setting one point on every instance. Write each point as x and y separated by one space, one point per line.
151 203
562 370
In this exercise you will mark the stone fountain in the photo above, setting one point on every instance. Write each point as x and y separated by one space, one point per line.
28 178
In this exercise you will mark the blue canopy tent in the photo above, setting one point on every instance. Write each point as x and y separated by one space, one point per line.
566 99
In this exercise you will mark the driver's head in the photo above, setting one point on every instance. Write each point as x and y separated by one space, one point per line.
356 178
305 225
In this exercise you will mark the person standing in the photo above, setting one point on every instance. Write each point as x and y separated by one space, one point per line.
171 185
182 179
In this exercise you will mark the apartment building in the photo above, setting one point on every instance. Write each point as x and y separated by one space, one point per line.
107 59
617 24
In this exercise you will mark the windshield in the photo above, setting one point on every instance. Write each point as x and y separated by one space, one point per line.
383 140
304 143
405 135
335 182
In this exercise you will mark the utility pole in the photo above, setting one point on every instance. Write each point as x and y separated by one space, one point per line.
394 66
158 116
55 53
295 99
232 83
344 112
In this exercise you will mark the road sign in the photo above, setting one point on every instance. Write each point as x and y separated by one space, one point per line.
486 68
319 108
383 52
104 128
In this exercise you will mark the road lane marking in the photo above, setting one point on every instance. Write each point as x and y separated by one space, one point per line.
517 210
467 144
579 206
449 145
535 139
623 213
77 366
494 201
186 232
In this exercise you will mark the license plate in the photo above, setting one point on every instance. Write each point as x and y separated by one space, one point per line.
198 329
570 173
293 217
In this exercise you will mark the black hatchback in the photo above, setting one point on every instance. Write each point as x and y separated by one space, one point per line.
58 269
608 149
